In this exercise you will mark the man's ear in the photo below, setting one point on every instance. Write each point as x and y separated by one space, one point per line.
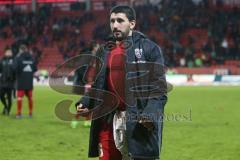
132 24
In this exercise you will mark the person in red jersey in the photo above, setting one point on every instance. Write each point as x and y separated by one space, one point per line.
130 131
24 66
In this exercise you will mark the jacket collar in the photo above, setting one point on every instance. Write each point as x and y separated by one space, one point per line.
136 36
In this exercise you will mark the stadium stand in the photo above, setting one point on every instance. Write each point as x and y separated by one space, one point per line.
193 42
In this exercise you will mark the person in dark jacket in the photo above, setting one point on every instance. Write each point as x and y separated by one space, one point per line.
80 73
127 124
24 67
7 80
78 78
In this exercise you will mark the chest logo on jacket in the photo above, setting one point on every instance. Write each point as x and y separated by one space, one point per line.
28 68
138 53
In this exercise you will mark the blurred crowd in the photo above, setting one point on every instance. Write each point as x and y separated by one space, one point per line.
170 19
221 29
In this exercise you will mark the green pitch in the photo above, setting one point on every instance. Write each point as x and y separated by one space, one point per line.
201 123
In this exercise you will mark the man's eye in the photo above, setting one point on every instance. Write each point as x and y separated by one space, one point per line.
119 20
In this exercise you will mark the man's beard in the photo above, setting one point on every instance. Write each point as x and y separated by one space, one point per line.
121 36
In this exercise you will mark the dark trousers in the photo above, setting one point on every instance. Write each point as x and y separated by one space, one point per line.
6 99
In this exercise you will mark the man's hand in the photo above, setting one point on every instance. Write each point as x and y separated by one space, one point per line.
82 110
147 124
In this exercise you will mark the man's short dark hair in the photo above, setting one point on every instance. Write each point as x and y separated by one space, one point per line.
129 11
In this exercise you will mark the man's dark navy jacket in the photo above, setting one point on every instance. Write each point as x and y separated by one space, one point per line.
142 143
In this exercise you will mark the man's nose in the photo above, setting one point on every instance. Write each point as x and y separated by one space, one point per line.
115 25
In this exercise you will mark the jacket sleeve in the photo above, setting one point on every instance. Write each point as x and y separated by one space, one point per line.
0 66
34 66
85 101
16 66
157 98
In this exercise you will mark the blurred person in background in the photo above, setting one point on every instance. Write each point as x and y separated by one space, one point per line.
83 78
24 66
80 72
7 80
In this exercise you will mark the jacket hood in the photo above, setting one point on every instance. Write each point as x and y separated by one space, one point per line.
136 35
